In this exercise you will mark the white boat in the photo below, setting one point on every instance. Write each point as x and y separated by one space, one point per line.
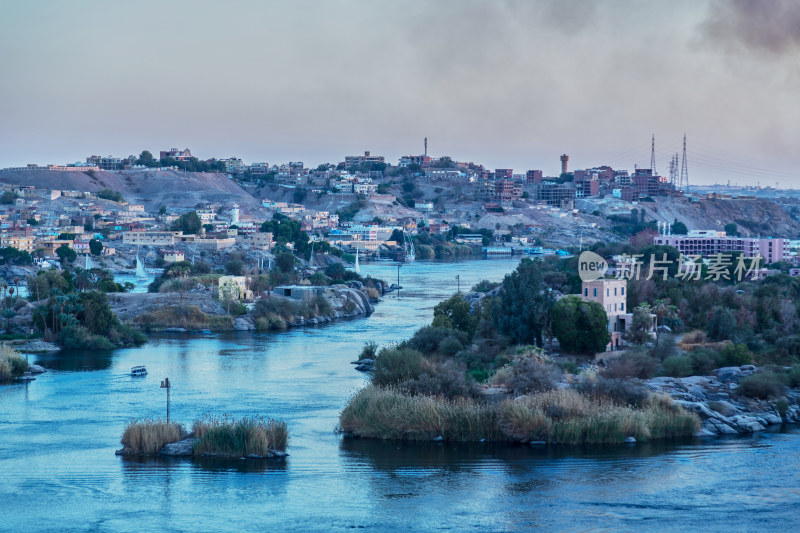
138 371
141 273
358 268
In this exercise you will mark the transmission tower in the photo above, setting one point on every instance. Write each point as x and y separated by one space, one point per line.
653 155
673 171
684 181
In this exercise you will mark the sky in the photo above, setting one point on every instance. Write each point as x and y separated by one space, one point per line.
508 84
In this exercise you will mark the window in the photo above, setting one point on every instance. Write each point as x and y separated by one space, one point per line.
622 289
615 307
615 291
607 291
595 292
586 292
621 307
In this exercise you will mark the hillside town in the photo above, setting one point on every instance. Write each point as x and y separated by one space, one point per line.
366 206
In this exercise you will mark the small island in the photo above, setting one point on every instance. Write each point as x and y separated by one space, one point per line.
220 437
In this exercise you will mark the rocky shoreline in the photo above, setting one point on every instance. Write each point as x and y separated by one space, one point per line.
722 412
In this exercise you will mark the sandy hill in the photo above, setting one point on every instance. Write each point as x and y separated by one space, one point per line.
171 188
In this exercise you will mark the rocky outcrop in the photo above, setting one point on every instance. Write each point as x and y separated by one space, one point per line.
38 347
182 448
721 410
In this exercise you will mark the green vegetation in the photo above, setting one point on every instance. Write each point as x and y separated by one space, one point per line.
580 327
66 254
189 223
231 438
12 364
95 247
185 316
108 194
78 319
12 256
8 197
347 213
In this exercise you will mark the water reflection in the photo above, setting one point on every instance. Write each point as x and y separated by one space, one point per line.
76 360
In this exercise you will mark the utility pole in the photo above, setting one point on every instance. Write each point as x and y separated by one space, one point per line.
458 283
166 385
398 279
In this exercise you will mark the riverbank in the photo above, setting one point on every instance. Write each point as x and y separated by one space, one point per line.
199 310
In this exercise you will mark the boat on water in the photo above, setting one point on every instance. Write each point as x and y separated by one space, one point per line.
138 371
141 273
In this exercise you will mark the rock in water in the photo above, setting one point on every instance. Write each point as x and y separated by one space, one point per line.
182 448
630 440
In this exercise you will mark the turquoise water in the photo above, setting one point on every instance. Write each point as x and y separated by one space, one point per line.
58 471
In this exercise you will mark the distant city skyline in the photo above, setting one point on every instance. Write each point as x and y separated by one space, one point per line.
504 84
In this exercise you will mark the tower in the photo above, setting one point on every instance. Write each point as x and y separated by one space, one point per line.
653 155
684 180
426 146
673 171
235 214
564 161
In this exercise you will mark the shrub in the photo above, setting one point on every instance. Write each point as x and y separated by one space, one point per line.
369 351
570 367
77 337
446 379
762 385
276 305
793 376
450 346
147 436
664 347
373 294
631 364
12 364
620 391
678 366
229 437
485 286
237 308
396 365
528 374
702 362
428 339
733 355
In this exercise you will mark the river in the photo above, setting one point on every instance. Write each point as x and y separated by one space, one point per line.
58 471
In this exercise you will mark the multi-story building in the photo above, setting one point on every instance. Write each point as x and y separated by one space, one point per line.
149 238
533 176
421 160
174 153
105 163
561 195
709 242
355 160
610 293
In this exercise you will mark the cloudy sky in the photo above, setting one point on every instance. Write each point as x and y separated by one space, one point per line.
507 84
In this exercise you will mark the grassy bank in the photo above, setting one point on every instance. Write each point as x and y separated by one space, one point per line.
228 437
184 316
12 364
224 437
564 416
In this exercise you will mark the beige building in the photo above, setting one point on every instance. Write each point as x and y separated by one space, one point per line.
20 243
262 240
239 282
215 244
149 238
610 293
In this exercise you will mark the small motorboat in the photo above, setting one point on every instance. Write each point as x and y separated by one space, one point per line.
138 371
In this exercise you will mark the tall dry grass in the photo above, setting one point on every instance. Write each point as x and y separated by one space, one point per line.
563 415
148 436
12 364
229 437
386 413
